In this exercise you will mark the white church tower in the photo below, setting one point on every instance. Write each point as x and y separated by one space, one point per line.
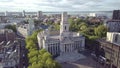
64 25
23 13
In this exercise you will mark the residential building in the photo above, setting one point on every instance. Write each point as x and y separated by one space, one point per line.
116 15
92 15
39 14
7 35
111 48
113 25
26 29
10 54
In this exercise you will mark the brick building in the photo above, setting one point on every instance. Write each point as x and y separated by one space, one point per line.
7 35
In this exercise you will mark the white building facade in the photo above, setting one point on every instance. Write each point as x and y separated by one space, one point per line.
63 41
26 29
113 37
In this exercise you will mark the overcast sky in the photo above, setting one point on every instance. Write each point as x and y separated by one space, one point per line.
59 5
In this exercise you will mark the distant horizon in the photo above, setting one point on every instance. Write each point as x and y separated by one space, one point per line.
59 11
59 5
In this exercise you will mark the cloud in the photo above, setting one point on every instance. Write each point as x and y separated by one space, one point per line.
58 5
6 0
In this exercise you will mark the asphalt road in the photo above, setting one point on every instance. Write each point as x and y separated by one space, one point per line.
23 63
88 62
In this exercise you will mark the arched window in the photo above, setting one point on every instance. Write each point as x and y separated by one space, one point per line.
65 27
116 38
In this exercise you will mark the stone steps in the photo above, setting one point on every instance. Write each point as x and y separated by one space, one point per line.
70 57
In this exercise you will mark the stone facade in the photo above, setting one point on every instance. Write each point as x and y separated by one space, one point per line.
113 37
111 48
63 42
113 26
26 29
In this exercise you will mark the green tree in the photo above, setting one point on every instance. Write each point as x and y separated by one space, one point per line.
83 27
30 44
13 27
83 24
39 58
33 59
56 26
46 55
34 35
50 63
73 27
33 53
78 21
37 65
100 31
42 51
70 20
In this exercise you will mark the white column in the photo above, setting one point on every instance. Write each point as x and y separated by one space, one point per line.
56 48
53 49
71 47
64 48
74 46
79 45
50 48
68 47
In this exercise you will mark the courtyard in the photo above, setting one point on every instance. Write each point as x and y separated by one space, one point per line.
82 63
85 62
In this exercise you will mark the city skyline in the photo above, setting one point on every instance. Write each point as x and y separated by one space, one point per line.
59 5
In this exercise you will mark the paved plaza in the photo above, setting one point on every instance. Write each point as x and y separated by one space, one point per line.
82 63
70 57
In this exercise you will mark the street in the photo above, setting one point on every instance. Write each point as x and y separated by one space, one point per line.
23 63
87 62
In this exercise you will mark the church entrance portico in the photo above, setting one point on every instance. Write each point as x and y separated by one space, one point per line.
67 48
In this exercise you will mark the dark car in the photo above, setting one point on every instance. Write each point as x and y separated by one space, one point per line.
102 59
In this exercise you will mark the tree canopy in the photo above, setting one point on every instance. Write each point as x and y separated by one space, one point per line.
13 27
101 31
39 58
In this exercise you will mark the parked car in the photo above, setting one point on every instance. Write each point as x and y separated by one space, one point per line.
102 59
